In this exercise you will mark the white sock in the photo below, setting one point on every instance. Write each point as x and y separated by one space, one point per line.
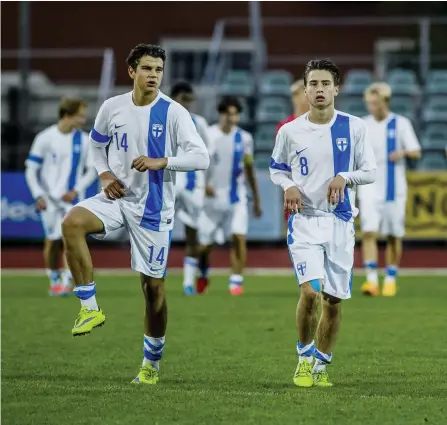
371 272
236 280
153 351
319 366
66 278
86 294
321 361
391 273
305 352
54 276
189 271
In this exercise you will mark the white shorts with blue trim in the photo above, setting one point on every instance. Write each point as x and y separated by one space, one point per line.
232 220
323 248
149 248
52 219
189 205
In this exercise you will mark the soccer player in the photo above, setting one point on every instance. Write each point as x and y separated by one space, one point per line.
190 191
318 160
58 171
299 102
382 204
226 194
142 130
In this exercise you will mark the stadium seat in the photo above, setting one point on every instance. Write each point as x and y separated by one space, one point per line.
272 110
238 83
432 162
352 105
434 136
435 110
437 82
262 161
403 82
356 81
265 136
403 106
276 83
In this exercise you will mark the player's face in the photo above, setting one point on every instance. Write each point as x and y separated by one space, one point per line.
230 118
78 120
148 75
375 105
320 89
186 100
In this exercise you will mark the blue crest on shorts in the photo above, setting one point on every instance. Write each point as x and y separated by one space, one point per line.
301 268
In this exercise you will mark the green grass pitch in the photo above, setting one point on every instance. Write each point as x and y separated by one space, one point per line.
227 360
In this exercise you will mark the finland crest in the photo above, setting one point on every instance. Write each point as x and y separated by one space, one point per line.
157 130
301 268
342 144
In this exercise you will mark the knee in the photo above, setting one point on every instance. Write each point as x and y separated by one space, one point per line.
153 288
309 295
331 305
369 236
73 224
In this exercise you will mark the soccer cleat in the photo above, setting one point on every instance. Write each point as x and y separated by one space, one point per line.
371 289
88 320
189 290
147 375
236 290
303 375
55 290
389 289
66 290
321 379
202 285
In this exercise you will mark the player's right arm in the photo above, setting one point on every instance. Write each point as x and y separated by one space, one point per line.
33 164
281 172
100 139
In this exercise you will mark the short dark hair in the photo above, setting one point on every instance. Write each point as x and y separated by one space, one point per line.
322 64
70 106
181 87
228 101
141 50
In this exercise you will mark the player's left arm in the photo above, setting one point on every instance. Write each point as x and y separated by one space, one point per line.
89 175
410 144
250 173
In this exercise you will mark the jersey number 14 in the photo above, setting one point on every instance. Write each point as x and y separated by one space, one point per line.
123 141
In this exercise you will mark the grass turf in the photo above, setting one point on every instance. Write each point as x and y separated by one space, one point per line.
227 360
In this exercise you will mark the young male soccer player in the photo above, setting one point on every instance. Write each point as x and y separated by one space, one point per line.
382 204
318 160
58 171
226 194
190 191
299 102
143 130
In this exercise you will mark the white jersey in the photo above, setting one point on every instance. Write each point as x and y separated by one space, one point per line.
309 156
156 131
64 162
226 174
393 133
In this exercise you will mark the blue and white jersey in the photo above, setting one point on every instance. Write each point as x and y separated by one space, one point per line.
226 173
157 130
62 160
393 133
310 155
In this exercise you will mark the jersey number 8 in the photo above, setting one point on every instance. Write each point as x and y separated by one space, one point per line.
304 166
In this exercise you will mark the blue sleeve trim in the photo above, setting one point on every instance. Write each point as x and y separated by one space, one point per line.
281 167
36 159
98 137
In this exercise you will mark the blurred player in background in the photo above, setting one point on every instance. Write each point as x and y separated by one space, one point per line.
142 130
58 171
382 204
318 160
190 191
226 193
299 102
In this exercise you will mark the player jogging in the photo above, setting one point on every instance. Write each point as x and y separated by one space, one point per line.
143 130
382 204
318 160
190 191
58 171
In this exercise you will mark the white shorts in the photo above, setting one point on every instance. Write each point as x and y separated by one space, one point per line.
52 219
149 248
386 218
188 206
233 220
323 248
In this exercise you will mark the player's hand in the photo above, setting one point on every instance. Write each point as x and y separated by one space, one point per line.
335 191
144 163
112 187
292 200
257 210
209 192
70 196
396 155
41 204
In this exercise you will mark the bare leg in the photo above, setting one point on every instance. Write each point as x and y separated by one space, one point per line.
238 254
370 257
329 323
393 251
306 314
156 313
51 253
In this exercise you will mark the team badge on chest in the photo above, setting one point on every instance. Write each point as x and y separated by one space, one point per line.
157 130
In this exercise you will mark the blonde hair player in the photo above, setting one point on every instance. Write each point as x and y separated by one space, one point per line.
382 203
299 102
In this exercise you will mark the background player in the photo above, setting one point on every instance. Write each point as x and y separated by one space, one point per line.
142 130
226 194
318 160
299 102
58 171
382 204
190 191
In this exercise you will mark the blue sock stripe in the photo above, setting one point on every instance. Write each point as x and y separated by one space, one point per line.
153 347
309 352
152 356
84 292
391 271
371 264
191 261
323 357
